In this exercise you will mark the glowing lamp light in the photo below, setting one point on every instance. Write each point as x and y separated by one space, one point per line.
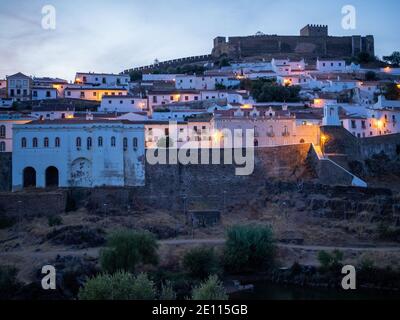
379 124
398 86
217 136
387 70
324 139
247 106
69 116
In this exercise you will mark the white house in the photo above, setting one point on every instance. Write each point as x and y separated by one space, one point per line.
126 103
44 93
19 87
104 79
331 65
205 82
52 113
93 93
164 97
7 121
159 77
68 153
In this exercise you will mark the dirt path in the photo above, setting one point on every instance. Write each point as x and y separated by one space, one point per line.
94 252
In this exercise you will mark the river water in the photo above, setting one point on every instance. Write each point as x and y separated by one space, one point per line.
269 291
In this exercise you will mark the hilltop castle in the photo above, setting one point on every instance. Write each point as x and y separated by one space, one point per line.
313 42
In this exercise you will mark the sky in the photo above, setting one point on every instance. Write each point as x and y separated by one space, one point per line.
114 35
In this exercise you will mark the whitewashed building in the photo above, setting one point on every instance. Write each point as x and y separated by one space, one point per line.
93 93
19 87
44 93
68 153
7 121
126 103
104 79
331 65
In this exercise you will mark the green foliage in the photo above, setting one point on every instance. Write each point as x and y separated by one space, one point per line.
363 58
269 91
249 248
8 282
392 92
330 261
54 221
167 291
126 249
201 262
220 86
136 75
393 59
119 286
211 289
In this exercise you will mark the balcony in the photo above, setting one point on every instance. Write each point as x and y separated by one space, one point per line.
285 134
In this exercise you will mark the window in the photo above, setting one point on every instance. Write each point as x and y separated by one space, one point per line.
68 93
23 143
12 94
154 99
363 124
186 98
34 142
132 101
89 143
2 146
104 80
78 143
353 124
121 102
57 142
2 131
113 142
94 93
100 141
125 144
48 94
34 93
135 143
46 142
82 94
109 101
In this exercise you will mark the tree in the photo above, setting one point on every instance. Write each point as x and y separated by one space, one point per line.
119 286
249 248
167 291
136 75
267 91
9 284
392 91
370 76
165 142
201 262
330 261
212 289
393 59
126 249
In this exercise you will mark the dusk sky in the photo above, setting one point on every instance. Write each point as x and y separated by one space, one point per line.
110 36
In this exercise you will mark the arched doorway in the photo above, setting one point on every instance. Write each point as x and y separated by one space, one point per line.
29 177
52 177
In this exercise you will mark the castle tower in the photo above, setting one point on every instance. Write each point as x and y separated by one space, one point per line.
314 30
331 116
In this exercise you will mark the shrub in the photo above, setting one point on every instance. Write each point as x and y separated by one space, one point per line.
55 221
249 248
201 262
167 291
126 249
212 289
8 282
120 286
330 261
